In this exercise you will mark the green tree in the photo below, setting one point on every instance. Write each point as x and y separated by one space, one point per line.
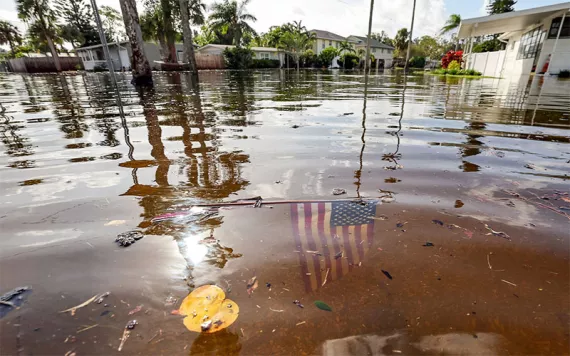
36 38
427 46
10 35
142 74
501 6
327 55
231 16
382 37
345 47
40 12
401 41
191 11
77 28
112 22
295 44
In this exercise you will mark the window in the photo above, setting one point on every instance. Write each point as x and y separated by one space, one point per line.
323 45
330 43
565 33
373 50
265 55
530 43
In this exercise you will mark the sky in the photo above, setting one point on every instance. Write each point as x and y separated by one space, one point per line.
344 17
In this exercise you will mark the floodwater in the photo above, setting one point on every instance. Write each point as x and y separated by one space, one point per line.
452 236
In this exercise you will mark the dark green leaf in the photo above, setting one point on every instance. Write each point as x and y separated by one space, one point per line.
322 305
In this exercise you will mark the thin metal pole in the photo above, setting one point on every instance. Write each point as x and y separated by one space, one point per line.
556 42
107 55
368 39
410 40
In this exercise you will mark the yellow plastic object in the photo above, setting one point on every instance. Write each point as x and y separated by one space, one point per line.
207 310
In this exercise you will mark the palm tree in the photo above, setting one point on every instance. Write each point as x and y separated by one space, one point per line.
231 16
451 24
9 34
345 47
39 11
142 74
295 44
191 11
401 40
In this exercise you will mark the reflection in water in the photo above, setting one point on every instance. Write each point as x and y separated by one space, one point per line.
222 342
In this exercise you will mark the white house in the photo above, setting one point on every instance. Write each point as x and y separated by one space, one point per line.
537 41
258 52
378 49
326 39
93 56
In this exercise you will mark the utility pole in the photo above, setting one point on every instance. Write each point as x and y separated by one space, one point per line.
368 40
410 40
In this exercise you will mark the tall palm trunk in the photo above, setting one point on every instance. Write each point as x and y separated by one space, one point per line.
51 46
189 56
142 74
168 31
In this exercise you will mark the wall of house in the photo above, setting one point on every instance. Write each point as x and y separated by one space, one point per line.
211 50
561 59
318 46
488 63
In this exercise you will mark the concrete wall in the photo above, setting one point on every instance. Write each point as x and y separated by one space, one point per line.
43 64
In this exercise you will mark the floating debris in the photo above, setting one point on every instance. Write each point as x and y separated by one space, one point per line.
6 297
401 224
87 328
322 305
326 275
298 303
497 233
101 298
387 274
128 238
428 244
277 311
437 222
136 310
85 303
252 285
338 191
300 323
126 333
338 255
511 283
295 126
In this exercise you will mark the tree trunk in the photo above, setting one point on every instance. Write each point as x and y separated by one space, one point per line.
51 46
12 48
142 74
169 30
164 50
189 56
237 36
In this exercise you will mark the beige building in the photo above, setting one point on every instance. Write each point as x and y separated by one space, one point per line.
326 39
378 49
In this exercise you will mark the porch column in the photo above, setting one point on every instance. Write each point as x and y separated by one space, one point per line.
556 42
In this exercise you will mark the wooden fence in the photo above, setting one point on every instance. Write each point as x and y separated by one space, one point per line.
210 61
43 64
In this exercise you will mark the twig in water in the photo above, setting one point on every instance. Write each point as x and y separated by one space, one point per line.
159 332
301 323
326 275
278 311
87 328
489 262
497 233
74 309
512 284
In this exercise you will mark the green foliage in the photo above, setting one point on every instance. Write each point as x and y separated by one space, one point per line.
349 60
564 73
231 16
401 41
417 62
265 63
327 55
112 22
500 6
451 24
308 59
238 57
452 71
10 35
454 65
466 72
78 28
488 46
295 44
382 37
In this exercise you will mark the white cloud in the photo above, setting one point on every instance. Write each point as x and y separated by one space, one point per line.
483 9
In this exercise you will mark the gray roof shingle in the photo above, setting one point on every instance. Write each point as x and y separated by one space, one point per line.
328 35
373 42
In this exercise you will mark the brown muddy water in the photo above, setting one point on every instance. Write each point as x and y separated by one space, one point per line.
452 237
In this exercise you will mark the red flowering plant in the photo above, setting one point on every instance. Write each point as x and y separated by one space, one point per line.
451 56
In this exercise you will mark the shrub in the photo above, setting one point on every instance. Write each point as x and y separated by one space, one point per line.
308 58
350 60
462 72
452 71
451 56
238 57
265 63
454 65
564 73
417 62
327 55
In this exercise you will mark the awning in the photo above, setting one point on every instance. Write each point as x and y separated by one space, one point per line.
509 21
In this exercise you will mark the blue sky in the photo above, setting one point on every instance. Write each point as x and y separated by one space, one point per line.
473 8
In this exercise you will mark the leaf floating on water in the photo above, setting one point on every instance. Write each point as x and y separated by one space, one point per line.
322 305
387 274
252 285
207 310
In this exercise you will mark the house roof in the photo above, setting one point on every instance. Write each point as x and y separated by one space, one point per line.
508 21
328 35
373 43
255 49
100 45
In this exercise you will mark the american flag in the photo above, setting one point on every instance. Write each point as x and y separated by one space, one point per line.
327 230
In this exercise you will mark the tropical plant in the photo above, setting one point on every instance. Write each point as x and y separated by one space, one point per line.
308 58
454 65
40 12
417 62
295 44
451 24
142 74
382 37
488 46
327 55
349 60
231 16
401 41
500 6
345 47
10 35
77 28
238 57
451 56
